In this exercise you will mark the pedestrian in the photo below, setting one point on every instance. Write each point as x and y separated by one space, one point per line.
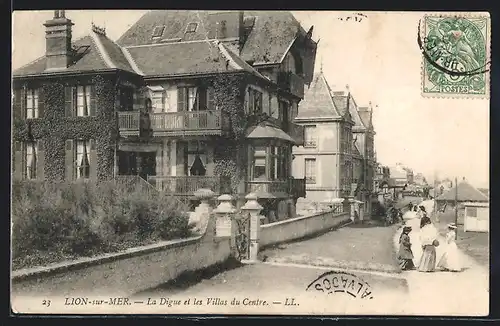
405 255
428 239
410 206
450 261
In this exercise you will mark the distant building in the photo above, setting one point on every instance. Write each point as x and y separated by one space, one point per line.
463 193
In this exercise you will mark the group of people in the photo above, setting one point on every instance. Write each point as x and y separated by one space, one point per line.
419 240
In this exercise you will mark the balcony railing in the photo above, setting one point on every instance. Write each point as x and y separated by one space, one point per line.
292 83
293 187
129 123
187 185
189 123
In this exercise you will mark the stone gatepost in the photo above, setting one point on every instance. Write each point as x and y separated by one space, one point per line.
202 213
354 208
224 213
253 208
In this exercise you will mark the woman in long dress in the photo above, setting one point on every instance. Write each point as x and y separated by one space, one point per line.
413 221
405 255
428 239
450 261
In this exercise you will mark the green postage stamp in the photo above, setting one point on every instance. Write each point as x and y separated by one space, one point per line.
456 55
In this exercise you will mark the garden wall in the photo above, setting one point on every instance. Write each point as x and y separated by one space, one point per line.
300 227
125 273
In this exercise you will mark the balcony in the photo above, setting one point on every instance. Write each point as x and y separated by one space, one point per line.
129 123
278 188
195 123
292 83
187 185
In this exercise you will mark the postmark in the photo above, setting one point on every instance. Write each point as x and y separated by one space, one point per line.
456 55
341 283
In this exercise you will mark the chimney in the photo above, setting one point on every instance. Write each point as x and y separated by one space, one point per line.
58 49
226 24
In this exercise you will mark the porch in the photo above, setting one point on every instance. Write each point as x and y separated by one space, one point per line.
188 123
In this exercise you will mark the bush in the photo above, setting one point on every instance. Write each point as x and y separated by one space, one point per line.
61 220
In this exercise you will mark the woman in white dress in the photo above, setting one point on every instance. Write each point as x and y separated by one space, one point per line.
450 261
428 238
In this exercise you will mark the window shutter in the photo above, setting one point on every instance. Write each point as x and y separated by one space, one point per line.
18 160
69 160
93 161
23 103
41 102
210 99
93 102
181 98
40 161
69 95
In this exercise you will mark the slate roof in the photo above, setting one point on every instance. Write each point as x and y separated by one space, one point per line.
366 116
270 38
317 100
466 192
93 59
192 57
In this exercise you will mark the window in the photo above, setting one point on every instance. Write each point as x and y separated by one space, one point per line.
254 101
79 101
158 31
30 152
472 211
310 136
259 163
310 170
191 27
31 103
82 150
194 99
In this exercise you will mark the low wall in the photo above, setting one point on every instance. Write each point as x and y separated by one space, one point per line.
127 272
300 227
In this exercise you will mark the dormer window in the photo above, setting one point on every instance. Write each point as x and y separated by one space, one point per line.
158 31
191 27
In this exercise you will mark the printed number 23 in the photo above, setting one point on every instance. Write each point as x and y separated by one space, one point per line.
46 303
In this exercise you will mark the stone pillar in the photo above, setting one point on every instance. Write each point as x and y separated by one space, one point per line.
354 208
253 208
225 212
202 213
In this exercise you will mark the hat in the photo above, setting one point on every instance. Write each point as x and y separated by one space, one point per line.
407 228
452 226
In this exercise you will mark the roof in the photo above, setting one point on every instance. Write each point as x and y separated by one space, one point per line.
98 52
317 100
267 131
270 38
365 114
465 192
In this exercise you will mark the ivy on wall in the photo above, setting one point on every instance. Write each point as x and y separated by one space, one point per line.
54 128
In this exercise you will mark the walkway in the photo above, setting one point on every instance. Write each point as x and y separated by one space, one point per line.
355 246
445 293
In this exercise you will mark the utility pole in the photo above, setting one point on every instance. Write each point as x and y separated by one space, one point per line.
456 207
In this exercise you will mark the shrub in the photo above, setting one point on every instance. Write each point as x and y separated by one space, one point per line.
64 220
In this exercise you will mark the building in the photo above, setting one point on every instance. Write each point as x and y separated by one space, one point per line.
419 180
477 217
337 156
184 99
464 192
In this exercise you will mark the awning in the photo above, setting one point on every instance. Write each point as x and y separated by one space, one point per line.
268 132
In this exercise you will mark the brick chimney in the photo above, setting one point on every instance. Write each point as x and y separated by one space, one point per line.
58 41
226 24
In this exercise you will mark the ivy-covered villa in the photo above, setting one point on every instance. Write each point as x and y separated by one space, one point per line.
184 99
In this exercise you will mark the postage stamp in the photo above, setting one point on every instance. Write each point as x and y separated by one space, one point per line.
456 55
212 162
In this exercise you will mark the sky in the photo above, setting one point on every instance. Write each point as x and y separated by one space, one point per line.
377 57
